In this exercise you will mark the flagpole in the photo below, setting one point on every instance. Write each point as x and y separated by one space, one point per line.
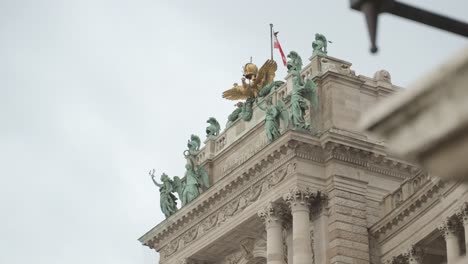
271 40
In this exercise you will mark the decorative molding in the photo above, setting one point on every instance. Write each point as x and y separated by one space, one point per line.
231 208
215 200
462 213
247 186
449 227
400 259
415 254
368 160
177 223
410 207
233 258
247 245
273 214
312 241
301 197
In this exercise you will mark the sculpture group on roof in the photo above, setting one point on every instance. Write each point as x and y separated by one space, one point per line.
256 87
194 182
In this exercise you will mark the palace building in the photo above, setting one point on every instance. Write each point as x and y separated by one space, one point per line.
273 189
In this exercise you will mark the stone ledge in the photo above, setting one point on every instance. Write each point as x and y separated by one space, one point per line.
428 123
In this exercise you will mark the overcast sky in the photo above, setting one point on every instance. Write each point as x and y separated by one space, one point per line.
95 93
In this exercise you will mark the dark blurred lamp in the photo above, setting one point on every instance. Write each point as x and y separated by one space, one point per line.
372 9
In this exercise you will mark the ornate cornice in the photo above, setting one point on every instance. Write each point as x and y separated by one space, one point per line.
413 254
246 184
408 210
228 210
214 197
368 160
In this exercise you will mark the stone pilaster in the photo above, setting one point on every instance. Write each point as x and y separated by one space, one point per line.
347 224
299 201
319 216
272 215
463 215
449 229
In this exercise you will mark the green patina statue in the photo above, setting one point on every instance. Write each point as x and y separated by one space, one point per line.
235 114
196 177
247 110
273 115
270 87
294 63
213 129
188 188
196 180
193 146
300 92
319 46
243 111
167 200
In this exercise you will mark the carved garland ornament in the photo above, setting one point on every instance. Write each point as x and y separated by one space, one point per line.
229 210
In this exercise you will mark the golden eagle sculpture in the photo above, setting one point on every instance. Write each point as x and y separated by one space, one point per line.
257 79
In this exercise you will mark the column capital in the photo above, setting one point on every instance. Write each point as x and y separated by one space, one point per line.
299 198
449 227
414 254
462 213
272 214
400 259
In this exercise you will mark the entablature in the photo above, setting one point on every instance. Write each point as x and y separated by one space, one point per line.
424 192
267 168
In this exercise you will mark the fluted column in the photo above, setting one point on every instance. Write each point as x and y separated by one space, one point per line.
463 214
272 215
299 201
449 230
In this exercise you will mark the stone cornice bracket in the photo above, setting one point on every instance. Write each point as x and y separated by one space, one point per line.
294 144
273 214
449 226
463 213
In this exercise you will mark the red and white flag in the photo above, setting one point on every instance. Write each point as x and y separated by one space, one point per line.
277 45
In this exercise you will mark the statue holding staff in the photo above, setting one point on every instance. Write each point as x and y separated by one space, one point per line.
167 200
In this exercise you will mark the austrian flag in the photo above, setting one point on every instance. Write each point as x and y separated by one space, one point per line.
277 45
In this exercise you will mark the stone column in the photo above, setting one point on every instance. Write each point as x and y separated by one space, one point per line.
272 215
449 230
463 214
299 201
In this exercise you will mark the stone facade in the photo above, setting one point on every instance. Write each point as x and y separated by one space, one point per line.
427 124
334 195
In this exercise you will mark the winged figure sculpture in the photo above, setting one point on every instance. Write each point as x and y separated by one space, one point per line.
256 80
